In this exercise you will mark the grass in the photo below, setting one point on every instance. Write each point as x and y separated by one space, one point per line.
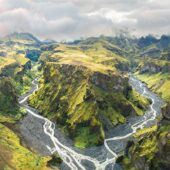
93 58
139 103
68 96
5 62
81 84
159 83
5 118
15 156
21 59
85 138
147 145
144 131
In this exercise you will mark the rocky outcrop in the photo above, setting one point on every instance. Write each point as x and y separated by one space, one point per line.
153 53
151 151
109 82
33 54
151 67
166 111
8 97
83 100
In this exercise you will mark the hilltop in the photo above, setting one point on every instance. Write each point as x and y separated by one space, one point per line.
84 88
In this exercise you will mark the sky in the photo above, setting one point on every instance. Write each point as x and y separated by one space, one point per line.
73 19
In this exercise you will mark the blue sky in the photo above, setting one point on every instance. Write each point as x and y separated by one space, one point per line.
71 19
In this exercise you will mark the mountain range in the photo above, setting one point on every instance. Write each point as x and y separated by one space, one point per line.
84 89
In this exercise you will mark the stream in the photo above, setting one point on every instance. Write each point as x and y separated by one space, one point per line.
46 138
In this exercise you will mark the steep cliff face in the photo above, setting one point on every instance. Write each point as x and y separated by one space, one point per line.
151 150
15 79
166 111
14 156
8 97
84 102
154 66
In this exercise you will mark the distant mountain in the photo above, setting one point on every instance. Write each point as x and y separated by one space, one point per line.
21 38
21 43
164 42
49 41
146 41
84 88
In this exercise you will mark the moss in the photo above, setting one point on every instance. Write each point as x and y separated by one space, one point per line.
138 100
82 85
150 150
127 164
114 116
23 83
85 138
15 156
5 62
75 96
8 97
145 131
159 83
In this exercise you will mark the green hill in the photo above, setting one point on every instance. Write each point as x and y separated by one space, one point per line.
84 90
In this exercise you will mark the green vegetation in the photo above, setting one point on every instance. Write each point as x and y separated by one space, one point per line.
145 131
15 156
5 62
139 102
148 147
159 83
126 163
84 88
8 98
15 79
84 91
85 138
151 150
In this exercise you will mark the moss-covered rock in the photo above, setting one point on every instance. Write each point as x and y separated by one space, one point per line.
15 156
83 101
151 150
8 97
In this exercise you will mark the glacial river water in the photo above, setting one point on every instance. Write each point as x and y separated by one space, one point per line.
43 136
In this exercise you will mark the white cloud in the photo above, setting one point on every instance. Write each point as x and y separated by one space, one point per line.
114 16
69 19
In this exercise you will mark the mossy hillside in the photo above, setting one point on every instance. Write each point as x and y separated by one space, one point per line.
15 156
139 102
147 147
10 88
21 71
95 57
152 66
15 50
141 153
8 97
155 73
159 83
166 55
151 149
23 82
6 61
78 98
14 65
